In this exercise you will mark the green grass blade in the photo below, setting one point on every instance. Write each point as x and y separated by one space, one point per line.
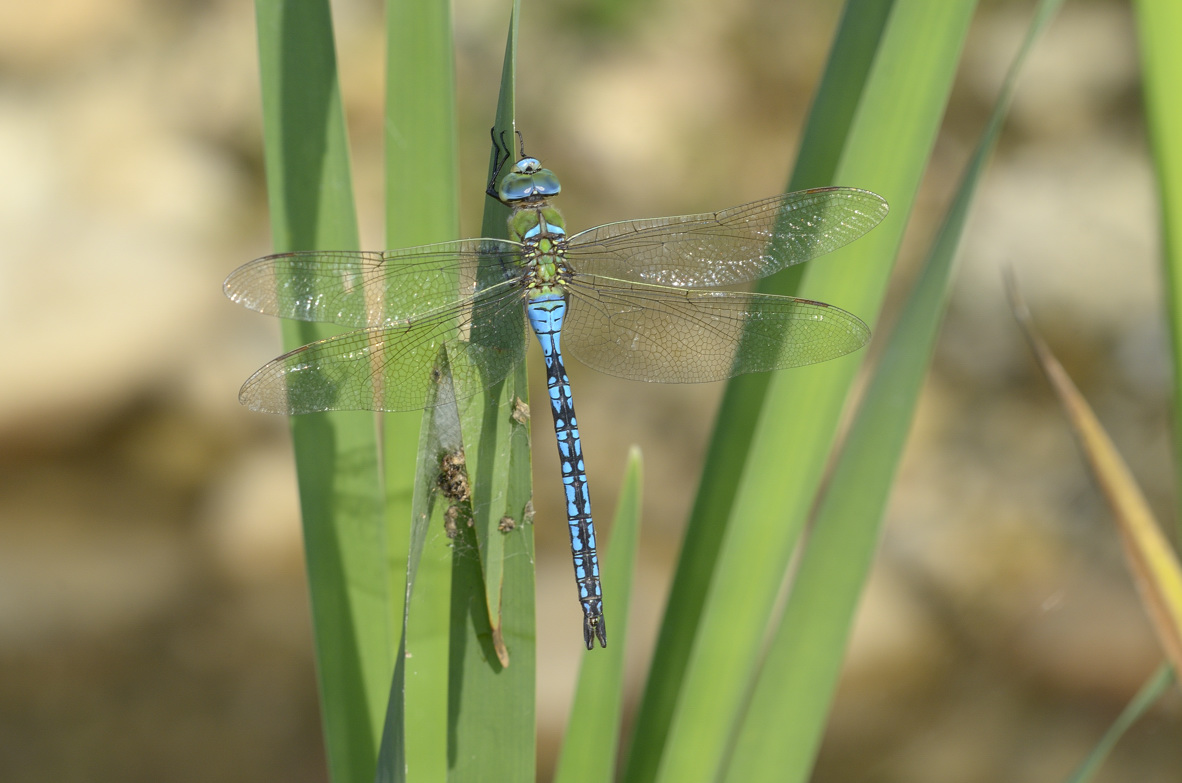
1159 26
800 672
1150 692
491 688
409 749
503 396
841 87
893 131
310 194
592 734
421 208
838 95
422 202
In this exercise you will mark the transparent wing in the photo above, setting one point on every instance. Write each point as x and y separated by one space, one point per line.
732 246
373 289
652 333
397 368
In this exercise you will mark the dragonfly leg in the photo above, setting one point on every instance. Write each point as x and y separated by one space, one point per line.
498 161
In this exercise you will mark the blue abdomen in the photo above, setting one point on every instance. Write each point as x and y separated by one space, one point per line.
546 313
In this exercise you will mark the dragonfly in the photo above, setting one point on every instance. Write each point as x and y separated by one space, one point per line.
639 299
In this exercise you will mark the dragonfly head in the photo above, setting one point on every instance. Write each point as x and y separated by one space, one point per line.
528 181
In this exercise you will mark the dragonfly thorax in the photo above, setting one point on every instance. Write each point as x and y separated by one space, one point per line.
547 273
539 227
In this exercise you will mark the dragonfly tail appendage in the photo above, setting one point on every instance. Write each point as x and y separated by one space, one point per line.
546 314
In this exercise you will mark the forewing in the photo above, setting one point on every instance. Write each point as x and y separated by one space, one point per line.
372 289
396 368
651 333
732 246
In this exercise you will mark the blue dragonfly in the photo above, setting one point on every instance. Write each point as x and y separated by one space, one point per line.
636 299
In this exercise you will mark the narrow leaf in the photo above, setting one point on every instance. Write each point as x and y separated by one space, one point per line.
510 395
850 59
310 194
1150 692
1159 26
491 690
893 131
1154 565
442 501
800 672
421 208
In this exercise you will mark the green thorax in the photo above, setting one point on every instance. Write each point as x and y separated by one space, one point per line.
537 224
541 229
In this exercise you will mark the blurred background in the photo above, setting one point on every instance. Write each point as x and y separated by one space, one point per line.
153 615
